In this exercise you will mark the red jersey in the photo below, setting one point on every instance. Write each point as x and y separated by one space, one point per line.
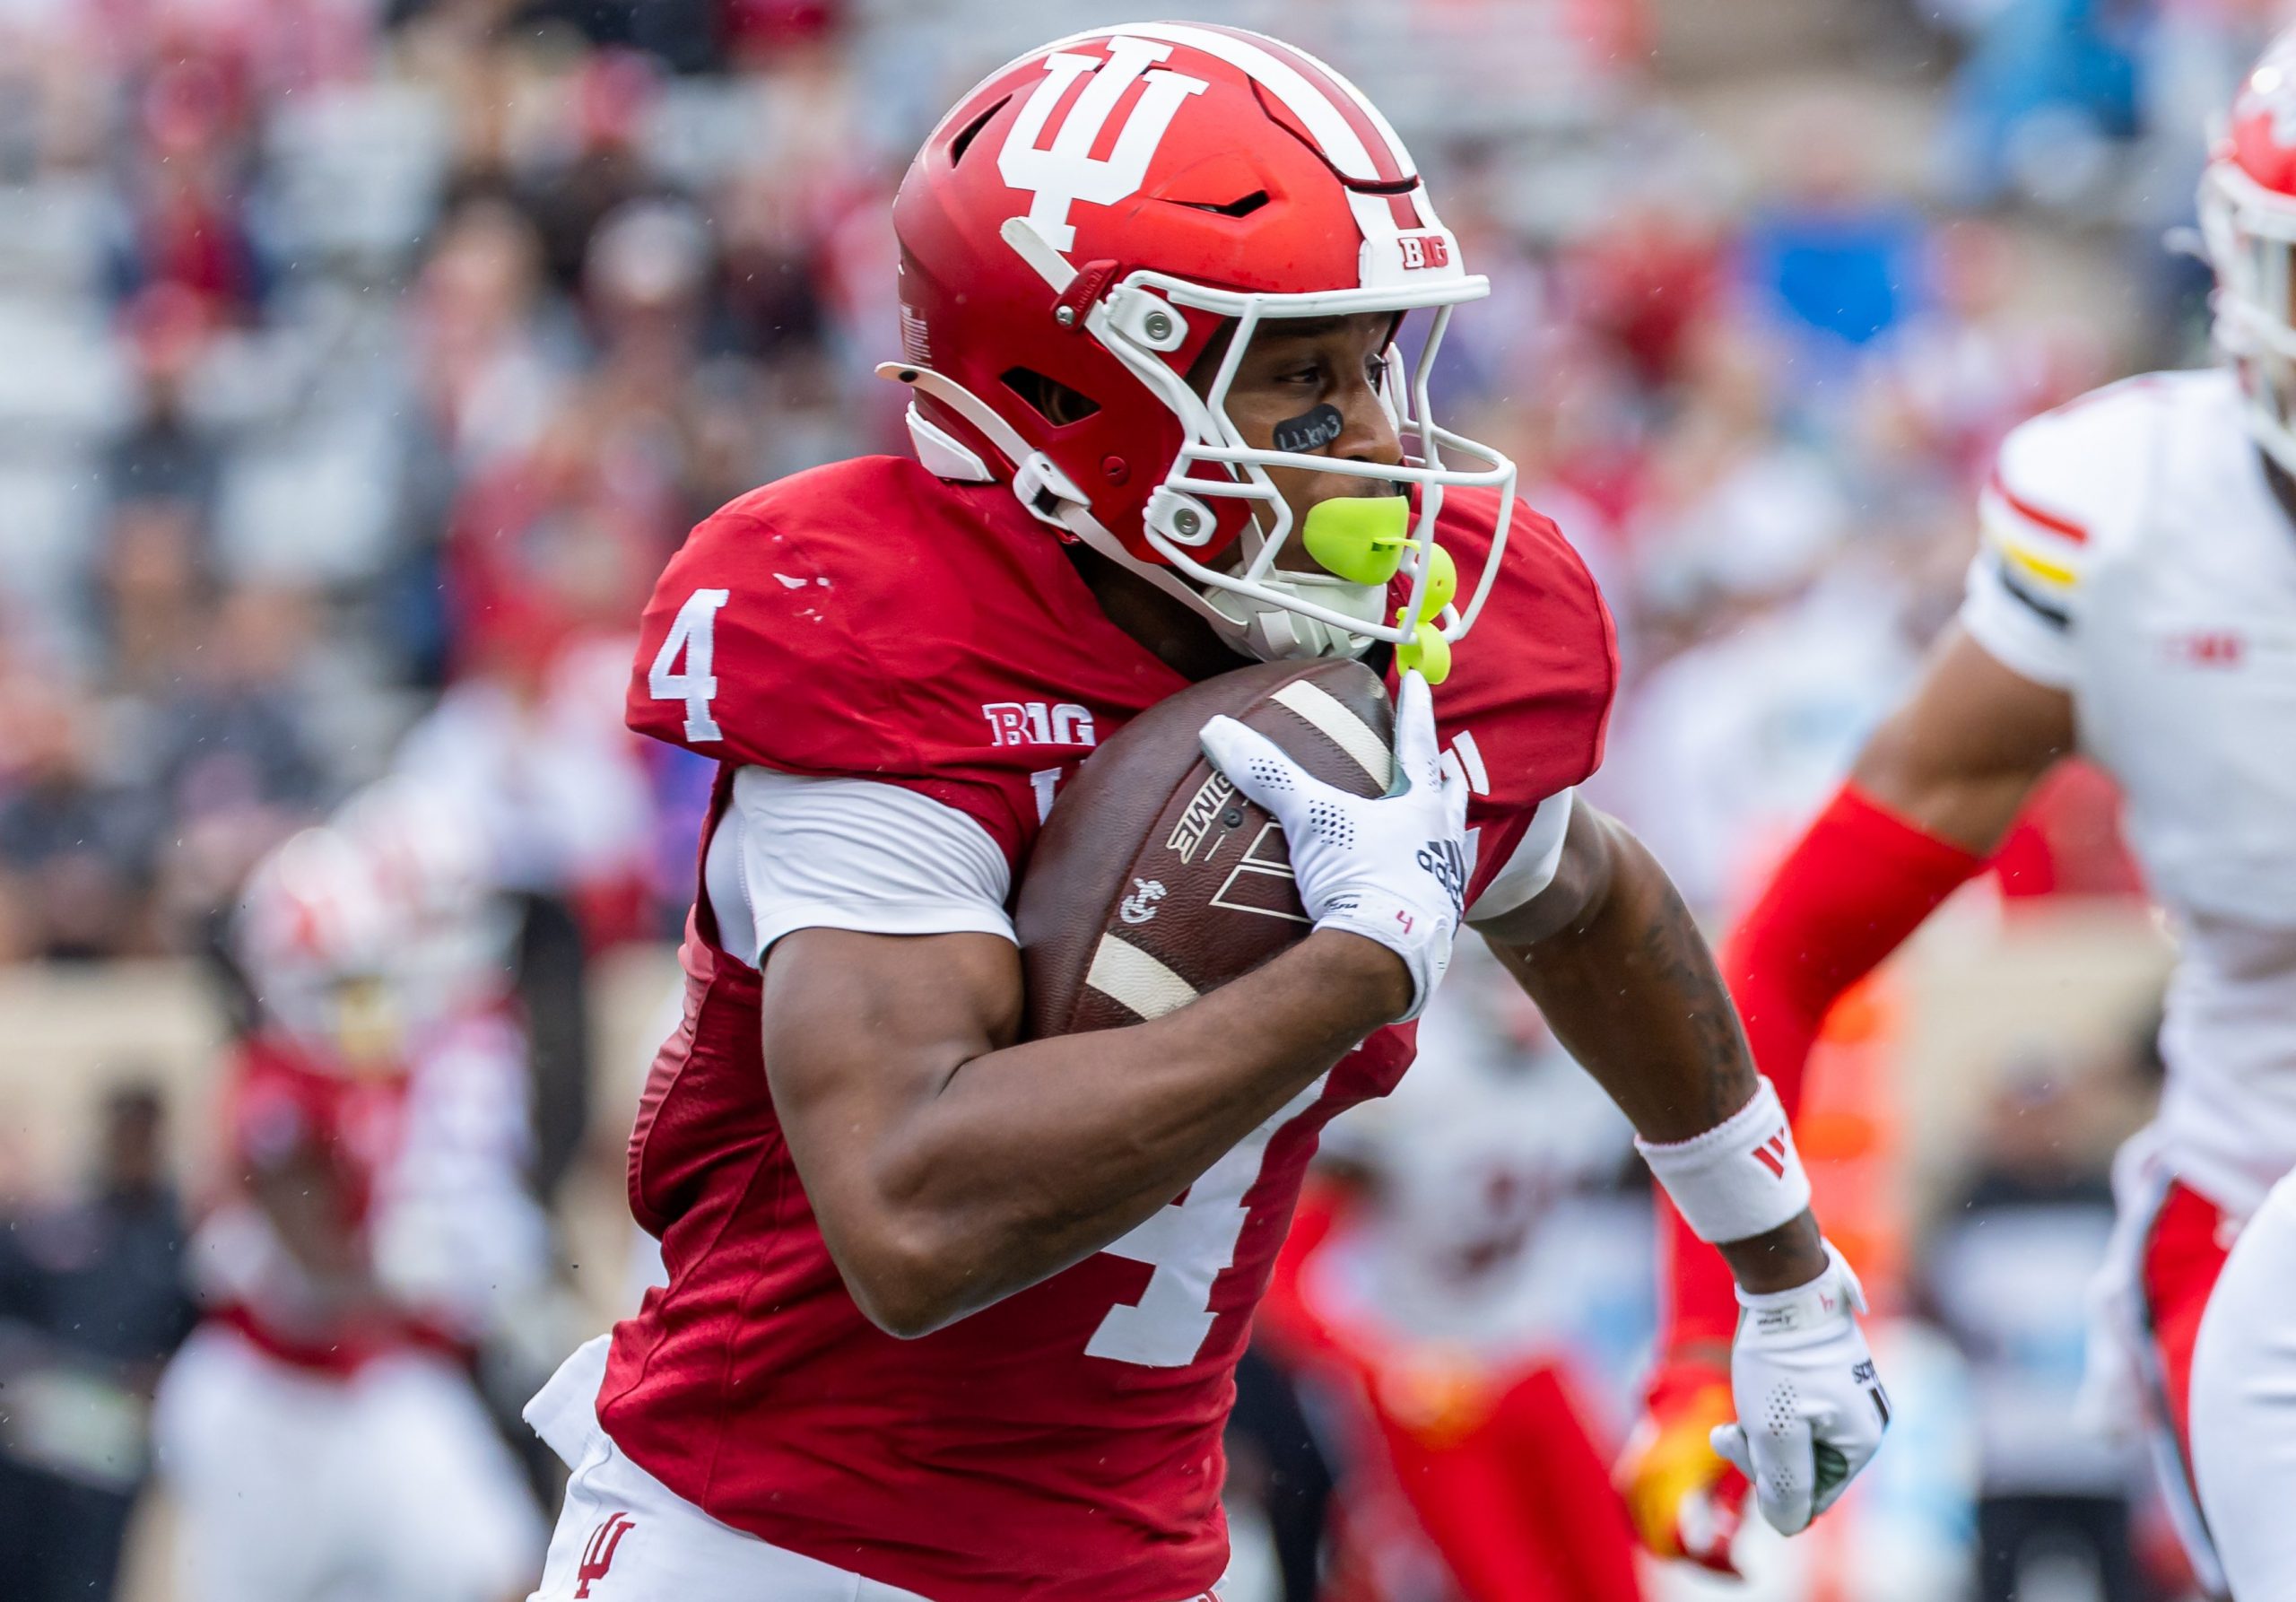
868 620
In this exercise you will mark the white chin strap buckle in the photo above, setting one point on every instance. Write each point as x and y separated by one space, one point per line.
1275 634
1035 479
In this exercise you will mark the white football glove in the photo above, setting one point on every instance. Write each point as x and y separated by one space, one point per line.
1392 868
1811 1411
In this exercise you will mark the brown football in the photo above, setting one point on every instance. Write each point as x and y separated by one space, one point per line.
1154 880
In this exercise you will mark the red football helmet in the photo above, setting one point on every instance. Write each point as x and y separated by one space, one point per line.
2247 217
317 940
428 858
1092 216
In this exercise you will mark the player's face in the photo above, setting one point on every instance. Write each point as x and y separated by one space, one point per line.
1294 368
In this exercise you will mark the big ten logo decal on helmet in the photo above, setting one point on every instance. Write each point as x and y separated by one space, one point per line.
1424 250
1034 723
1066 172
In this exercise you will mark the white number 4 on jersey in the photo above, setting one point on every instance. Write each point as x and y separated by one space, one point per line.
1189 1242
693 637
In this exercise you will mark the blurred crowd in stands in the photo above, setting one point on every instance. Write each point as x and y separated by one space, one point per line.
359 363
362 361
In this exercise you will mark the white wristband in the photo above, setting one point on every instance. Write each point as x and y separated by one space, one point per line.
1740 1179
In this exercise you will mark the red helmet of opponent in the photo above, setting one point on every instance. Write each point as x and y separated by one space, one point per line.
317 941
429 859
1089 241
2248 216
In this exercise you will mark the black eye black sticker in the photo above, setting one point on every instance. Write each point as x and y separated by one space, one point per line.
1310 431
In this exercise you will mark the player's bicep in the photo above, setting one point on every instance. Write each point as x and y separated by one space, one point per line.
861 1033
876 916
869 1025
1959 759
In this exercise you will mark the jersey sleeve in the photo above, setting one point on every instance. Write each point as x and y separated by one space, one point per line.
1526 714
1575 659
766 642
2062 487
1531 867
751 649
849 854
2023 586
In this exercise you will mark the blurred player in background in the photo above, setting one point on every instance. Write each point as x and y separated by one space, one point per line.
321 1432
1430 1292
2135 599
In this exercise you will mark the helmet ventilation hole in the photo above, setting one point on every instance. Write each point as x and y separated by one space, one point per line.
971 131
1049 398
1243 205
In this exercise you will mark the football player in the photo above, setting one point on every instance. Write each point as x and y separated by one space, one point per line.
320 1431
2135 599
953 1315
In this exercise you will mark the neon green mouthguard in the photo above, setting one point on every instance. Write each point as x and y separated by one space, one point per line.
1362 538
1365 539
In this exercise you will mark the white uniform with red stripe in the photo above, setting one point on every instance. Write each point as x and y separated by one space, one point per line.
320 1445
2136 557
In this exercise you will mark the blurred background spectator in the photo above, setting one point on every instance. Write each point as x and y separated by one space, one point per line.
352 350
93 1300
2009 1269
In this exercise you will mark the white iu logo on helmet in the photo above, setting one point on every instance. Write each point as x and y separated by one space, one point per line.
1068 173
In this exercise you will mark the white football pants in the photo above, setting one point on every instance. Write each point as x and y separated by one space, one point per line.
622 1534
2244 1406
390 1485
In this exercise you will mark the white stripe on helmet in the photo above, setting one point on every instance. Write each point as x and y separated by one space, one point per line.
1323 120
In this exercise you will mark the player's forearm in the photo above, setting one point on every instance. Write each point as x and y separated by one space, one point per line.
1631 988
1030 1158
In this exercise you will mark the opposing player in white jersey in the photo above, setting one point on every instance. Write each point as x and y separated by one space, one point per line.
2135 600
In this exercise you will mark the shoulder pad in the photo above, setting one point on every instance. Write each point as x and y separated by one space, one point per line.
2069 485
761 642
1534 680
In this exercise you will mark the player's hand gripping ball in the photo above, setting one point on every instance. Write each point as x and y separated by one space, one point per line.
1155 878
1392 868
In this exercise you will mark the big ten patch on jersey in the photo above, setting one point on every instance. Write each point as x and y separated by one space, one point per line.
867 619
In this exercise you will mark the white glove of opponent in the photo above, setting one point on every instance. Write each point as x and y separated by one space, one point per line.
1811 1411
1392 868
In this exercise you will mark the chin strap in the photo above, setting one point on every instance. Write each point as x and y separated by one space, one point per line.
1275 633
1035 479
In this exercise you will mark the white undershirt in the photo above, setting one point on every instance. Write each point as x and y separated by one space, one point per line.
793 852
1532 867
800 853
